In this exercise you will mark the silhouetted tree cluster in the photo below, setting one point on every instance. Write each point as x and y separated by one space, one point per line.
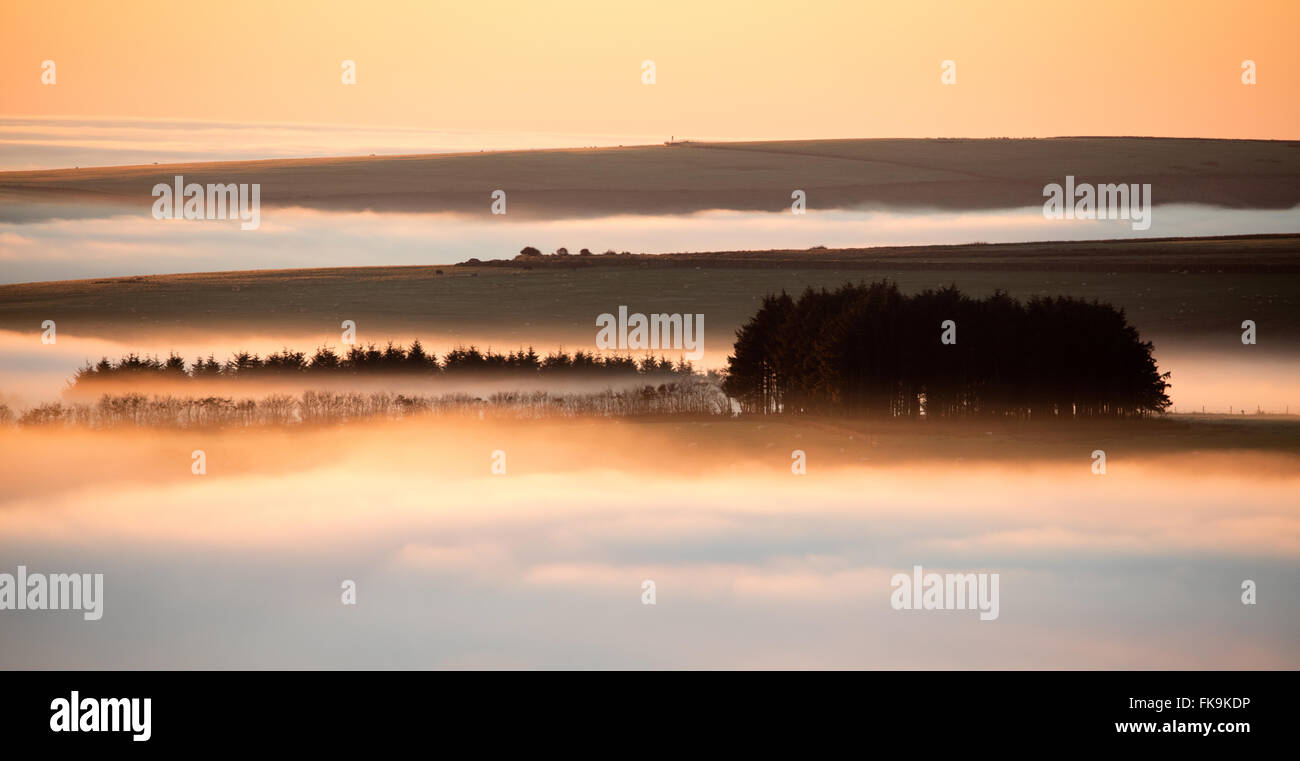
870 349
533 254
392 359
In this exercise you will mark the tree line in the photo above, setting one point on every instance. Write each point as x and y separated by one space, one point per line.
392 359
690 397
870 349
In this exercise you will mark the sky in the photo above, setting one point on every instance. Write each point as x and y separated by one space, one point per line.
723 69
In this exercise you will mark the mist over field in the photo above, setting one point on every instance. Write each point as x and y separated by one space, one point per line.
542 566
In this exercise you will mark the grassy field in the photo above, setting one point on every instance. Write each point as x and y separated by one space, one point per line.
1185 292
930 173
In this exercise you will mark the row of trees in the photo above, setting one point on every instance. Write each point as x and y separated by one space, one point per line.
392 359
871 349
692 396
531 252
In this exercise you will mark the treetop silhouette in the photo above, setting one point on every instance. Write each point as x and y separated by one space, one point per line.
870 349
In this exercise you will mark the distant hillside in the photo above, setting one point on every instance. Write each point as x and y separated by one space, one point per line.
681 178
1237 253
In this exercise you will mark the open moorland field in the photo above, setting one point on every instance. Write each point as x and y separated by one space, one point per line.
1190 292
687 177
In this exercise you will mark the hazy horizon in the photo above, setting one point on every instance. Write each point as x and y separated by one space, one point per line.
728 69
34 143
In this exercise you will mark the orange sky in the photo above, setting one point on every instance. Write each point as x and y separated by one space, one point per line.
731 70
